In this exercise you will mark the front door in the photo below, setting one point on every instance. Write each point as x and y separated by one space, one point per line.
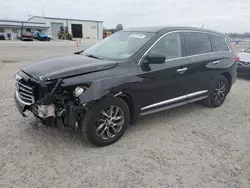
163 84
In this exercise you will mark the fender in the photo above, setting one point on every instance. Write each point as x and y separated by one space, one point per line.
102 84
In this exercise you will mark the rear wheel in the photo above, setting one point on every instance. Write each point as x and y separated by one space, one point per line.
106 121
218 92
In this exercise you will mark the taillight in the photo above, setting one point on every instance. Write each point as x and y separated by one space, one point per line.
237 59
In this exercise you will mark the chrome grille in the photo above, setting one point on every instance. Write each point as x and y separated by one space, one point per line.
25 93
243 63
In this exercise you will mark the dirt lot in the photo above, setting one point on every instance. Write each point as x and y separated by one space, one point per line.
190 146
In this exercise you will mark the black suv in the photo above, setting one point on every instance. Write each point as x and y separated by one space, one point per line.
134 72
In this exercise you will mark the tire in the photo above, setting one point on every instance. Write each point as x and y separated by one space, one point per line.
94 116
220 87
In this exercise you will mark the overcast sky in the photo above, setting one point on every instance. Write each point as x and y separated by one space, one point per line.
221 15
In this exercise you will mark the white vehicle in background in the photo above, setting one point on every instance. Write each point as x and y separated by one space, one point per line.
243 67
51 37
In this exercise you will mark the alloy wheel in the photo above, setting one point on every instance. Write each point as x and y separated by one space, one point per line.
220 92
110 122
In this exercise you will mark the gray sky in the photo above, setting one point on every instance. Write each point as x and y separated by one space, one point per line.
221 15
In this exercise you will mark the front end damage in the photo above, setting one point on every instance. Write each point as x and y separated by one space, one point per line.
49 102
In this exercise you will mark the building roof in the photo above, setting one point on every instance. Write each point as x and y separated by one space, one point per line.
24 26
64 19
20 21
170 28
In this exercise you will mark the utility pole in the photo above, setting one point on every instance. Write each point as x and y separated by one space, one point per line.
42 11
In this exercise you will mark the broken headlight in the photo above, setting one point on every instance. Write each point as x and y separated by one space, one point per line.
78 91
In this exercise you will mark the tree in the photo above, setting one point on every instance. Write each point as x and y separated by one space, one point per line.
119 27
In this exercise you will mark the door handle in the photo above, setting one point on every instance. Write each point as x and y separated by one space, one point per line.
216 62
181 71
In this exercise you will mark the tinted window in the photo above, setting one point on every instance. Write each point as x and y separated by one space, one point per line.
169 46
197 43
219 43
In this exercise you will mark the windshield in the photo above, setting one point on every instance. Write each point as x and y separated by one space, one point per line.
26 33
120 45
247 50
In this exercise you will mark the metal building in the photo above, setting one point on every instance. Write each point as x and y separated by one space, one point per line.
13 27
89 29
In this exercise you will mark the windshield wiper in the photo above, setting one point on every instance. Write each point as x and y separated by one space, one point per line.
93 56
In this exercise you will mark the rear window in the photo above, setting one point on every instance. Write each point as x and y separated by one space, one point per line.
197 43
220 43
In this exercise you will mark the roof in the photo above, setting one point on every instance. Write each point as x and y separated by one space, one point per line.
146 29
25 26
168 29
64 19
20 21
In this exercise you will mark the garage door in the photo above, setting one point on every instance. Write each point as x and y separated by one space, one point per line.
76 30
55 27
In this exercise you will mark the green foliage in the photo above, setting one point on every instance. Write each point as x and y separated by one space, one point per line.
64 35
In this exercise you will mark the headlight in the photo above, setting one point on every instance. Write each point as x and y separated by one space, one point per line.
78 91
18 77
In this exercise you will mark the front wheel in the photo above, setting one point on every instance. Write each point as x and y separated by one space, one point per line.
218 92
106 121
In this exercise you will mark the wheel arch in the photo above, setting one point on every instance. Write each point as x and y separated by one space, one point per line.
229 79
131 104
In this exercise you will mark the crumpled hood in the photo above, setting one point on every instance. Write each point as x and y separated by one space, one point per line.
66 66
244 56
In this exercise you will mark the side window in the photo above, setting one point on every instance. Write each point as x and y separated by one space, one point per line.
197 43
169 46
220 43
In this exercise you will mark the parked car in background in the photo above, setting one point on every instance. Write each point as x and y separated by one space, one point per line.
42 36
2 37
51 37
34 33
134 72
25 35
243 68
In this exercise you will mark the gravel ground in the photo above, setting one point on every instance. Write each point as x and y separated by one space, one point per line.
190 146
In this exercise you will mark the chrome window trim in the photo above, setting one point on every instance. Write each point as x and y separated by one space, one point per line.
182 31
190 95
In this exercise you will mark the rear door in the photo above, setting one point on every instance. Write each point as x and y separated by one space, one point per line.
203 60
227 56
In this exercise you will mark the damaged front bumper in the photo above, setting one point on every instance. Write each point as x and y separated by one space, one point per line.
42 111
49 102
59 117
51 114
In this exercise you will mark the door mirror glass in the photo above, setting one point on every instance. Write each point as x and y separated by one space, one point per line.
155 59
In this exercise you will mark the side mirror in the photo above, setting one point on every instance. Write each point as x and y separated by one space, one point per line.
155 59
242 50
